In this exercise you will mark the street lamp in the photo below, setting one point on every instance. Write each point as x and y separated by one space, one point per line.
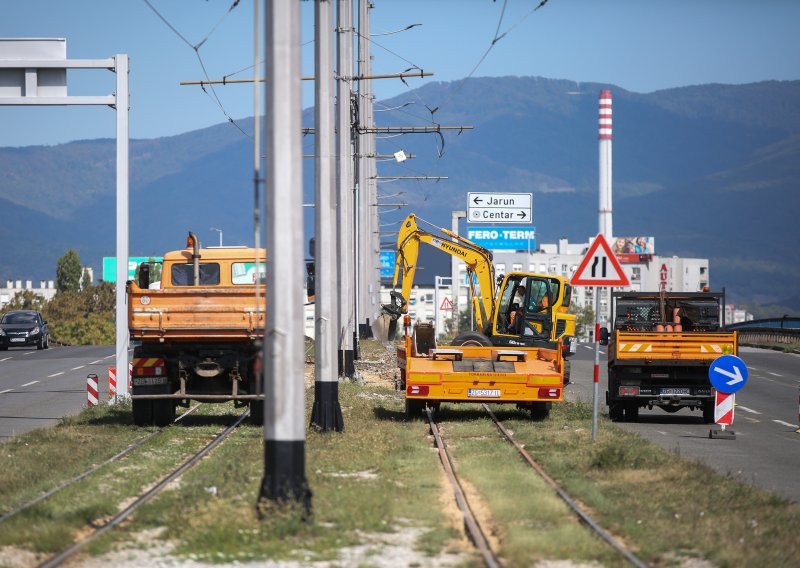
220 234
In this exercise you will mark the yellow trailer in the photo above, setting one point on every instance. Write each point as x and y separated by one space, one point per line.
530 377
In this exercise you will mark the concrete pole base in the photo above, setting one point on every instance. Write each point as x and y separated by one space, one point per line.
326 414
284 481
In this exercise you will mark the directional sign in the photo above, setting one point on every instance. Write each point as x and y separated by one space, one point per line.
728 373
499 207
599 267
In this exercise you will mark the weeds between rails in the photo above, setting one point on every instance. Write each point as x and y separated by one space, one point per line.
473 528
59 558
116 457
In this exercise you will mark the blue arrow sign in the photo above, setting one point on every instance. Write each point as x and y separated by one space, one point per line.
727 373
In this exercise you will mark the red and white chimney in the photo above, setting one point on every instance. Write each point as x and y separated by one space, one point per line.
604 144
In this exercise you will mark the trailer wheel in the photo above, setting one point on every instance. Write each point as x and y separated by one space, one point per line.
257 412
708 412
615 412
142 412
472 338
540 410
414 408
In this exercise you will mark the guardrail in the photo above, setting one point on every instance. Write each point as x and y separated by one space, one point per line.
770 337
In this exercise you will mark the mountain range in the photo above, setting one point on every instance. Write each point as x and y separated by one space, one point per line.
711 171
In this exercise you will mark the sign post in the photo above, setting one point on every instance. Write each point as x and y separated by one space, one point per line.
728 374
599 268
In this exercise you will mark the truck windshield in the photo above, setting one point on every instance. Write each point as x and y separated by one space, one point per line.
183 274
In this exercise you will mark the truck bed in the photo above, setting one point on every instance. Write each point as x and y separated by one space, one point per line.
192 314
483 374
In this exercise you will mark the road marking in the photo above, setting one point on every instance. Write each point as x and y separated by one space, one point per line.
29 352
774 374
78 367
662 432
109 357
750 410
588 346
28 384
5 391
782 423
55 374
6 359
96 362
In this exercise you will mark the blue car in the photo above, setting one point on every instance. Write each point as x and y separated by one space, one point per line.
23 327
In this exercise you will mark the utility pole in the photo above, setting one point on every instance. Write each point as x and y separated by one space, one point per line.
369 275
344 187
284 343
326 413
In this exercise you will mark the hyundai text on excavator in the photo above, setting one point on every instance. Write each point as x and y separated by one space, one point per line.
522 332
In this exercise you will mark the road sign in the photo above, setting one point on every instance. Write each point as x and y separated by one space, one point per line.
499 207
446 304
723 408
728 373
599 267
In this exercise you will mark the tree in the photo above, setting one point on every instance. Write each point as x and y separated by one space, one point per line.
86 281
25 300
584 319
68 272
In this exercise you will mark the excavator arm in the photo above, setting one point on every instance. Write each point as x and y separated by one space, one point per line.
478 260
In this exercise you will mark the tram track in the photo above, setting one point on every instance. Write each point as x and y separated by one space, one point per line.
471 523
144 497
71 481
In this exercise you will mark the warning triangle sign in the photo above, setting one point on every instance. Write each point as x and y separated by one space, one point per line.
599 267
446 304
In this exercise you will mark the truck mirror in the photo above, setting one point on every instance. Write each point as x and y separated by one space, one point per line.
144 276
603 336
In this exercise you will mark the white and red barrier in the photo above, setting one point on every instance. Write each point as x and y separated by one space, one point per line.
91 390
112 380
723 409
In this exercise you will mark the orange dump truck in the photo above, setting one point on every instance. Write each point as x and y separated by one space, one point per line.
660 348
530 377
197 332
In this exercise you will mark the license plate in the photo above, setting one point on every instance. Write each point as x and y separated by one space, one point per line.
484 393
17 339
675 391
149 381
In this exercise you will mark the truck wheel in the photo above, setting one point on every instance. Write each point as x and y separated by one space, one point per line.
257 412
471 338
567 371
615 412
163 412
540 410
632 413
142 412
708 412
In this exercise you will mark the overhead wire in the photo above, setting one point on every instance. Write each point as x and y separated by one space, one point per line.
196 49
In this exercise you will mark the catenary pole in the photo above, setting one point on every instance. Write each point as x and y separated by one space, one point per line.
284 401
326 414
121 68
344 186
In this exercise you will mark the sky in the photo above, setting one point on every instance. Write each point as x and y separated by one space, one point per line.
638 45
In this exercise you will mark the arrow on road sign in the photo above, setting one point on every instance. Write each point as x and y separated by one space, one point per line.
736 375
599 267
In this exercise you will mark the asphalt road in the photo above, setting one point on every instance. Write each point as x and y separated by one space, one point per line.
37 388
766 451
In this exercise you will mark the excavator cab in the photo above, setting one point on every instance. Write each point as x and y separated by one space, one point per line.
524 308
